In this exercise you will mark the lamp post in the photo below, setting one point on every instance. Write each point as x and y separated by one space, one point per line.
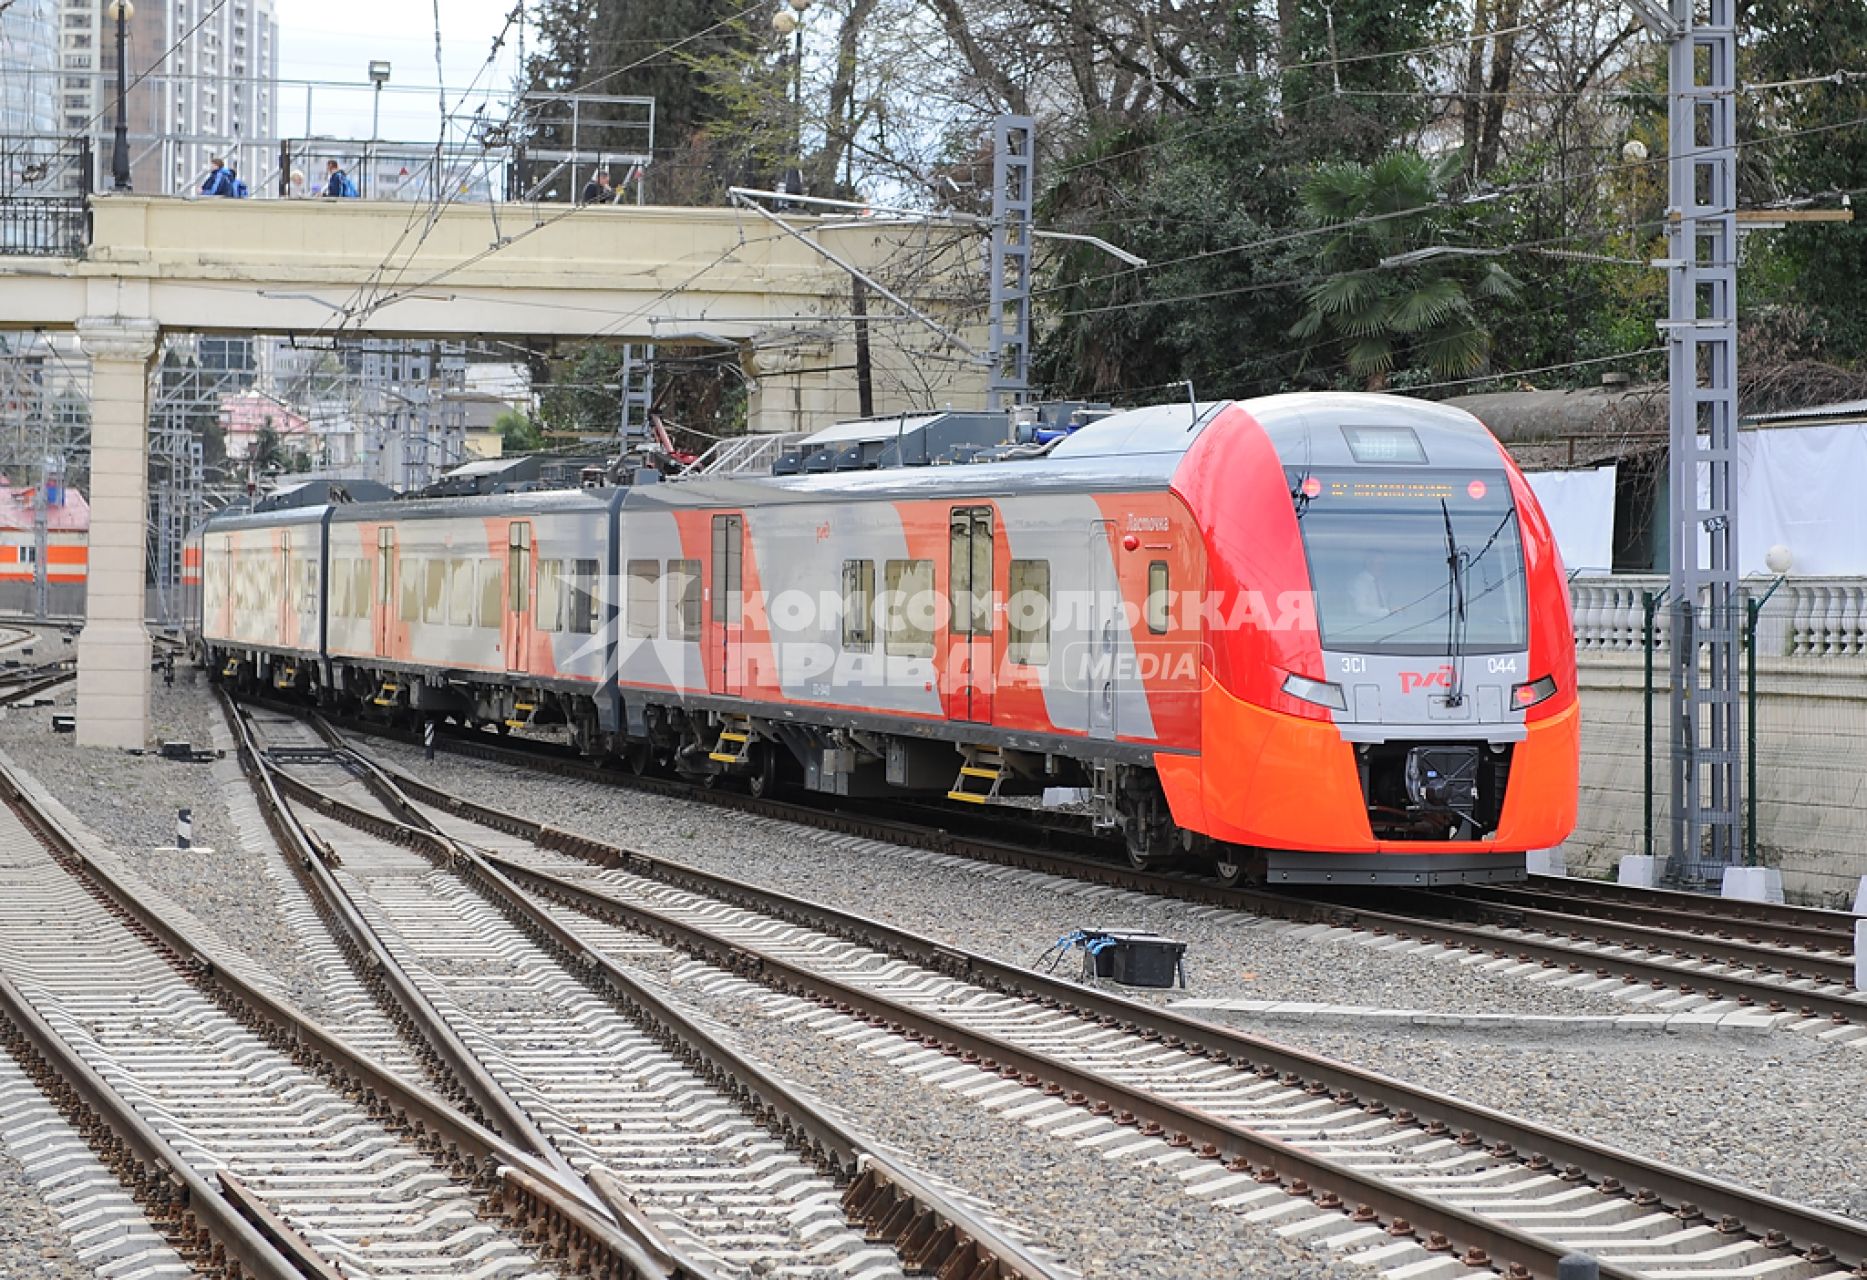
379 76
790 22
121 11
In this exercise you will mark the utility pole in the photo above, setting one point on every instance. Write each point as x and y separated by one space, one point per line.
1701 340
1008 318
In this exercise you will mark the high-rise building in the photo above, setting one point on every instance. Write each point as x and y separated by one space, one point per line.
209 76
29 68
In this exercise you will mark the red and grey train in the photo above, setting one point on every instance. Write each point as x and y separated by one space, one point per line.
1305 638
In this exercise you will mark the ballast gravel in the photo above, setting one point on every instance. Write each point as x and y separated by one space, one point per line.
32 1242
1110 1219
1012 916
130 801
1782 1113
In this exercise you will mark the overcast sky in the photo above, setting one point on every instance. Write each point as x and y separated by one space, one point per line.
335 40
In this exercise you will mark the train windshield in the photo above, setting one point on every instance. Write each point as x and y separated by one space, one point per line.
1413 563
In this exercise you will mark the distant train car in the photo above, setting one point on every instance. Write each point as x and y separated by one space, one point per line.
1312 638
67 553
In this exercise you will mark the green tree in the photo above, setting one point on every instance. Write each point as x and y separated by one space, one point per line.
268 452
517 432
1384 309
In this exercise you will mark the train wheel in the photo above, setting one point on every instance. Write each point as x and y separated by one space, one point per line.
763 780
640 757
1234 865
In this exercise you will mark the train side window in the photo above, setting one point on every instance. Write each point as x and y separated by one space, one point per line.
683 599
1159 599
409 571
584 604
340 588
909 608
1028 613
859 604
644 602
549 614
434 591
460 593
362 571
492 591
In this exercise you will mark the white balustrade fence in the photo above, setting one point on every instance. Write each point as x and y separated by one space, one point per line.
1805 618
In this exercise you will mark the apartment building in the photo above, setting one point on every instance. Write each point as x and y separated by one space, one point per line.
210 75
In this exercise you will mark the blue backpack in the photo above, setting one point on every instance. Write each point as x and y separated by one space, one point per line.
346 188
239 188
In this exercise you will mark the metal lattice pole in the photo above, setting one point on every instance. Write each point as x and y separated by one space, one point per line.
638 393
1701 335
1009 320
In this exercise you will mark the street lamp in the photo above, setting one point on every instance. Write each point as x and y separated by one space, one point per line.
790 22
379 76
121 11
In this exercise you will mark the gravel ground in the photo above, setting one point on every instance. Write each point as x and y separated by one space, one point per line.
1108 1219
130 802
1782 1113
32 1243
1227 957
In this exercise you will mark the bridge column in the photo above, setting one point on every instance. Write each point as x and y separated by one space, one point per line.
114 649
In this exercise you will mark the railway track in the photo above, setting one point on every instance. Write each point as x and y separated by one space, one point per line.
1802 988
256 1143
1420 1182
634 1096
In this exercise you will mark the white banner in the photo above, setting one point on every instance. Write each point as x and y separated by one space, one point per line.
1806 489
1580 508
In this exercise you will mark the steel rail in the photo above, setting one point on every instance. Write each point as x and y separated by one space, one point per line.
1703 907
931 1231
1610 1169
377 966
177 1200
1763 993
1520 911
35 686
518 1183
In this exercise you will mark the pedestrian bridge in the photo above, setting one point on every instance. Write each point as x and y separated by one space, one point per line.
775 290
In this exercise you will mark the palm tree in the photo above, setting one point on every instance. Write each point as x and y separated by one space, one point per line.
1418 312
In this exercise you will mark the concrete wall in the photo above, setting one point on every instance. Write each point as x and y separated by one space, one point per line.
1811 769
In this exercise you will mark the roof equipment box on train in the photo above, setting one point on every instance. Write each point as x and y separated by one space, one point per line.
1141 960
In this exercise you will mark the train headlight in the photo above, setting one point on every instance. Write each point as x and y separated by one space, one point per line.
1319 693
1525 696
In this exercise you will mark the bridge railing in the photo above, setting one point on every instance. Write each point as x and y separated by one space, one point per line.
1805 618
43 185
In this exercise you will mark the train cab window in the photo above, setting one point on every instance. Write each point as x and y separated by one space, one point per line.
409 571
434 591
492 592
644 602
460 593
584 603
909 608
1028 613
1159 598
683 599
549 614
859 604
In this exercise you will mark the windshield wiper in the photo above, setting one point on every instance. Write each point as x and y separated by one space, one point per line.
1455 611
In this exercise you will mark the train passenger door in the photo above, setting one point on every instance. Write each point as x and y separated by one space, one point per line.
726 617
383 639
515 633
1105 624
970 664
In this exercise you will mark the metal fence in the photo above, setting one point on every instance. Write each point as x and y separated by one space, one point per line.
1804 714
43 185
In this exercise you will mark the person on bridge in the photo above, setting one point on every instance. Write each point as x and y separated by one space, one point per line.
219 179
337 184
236 185
598 190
